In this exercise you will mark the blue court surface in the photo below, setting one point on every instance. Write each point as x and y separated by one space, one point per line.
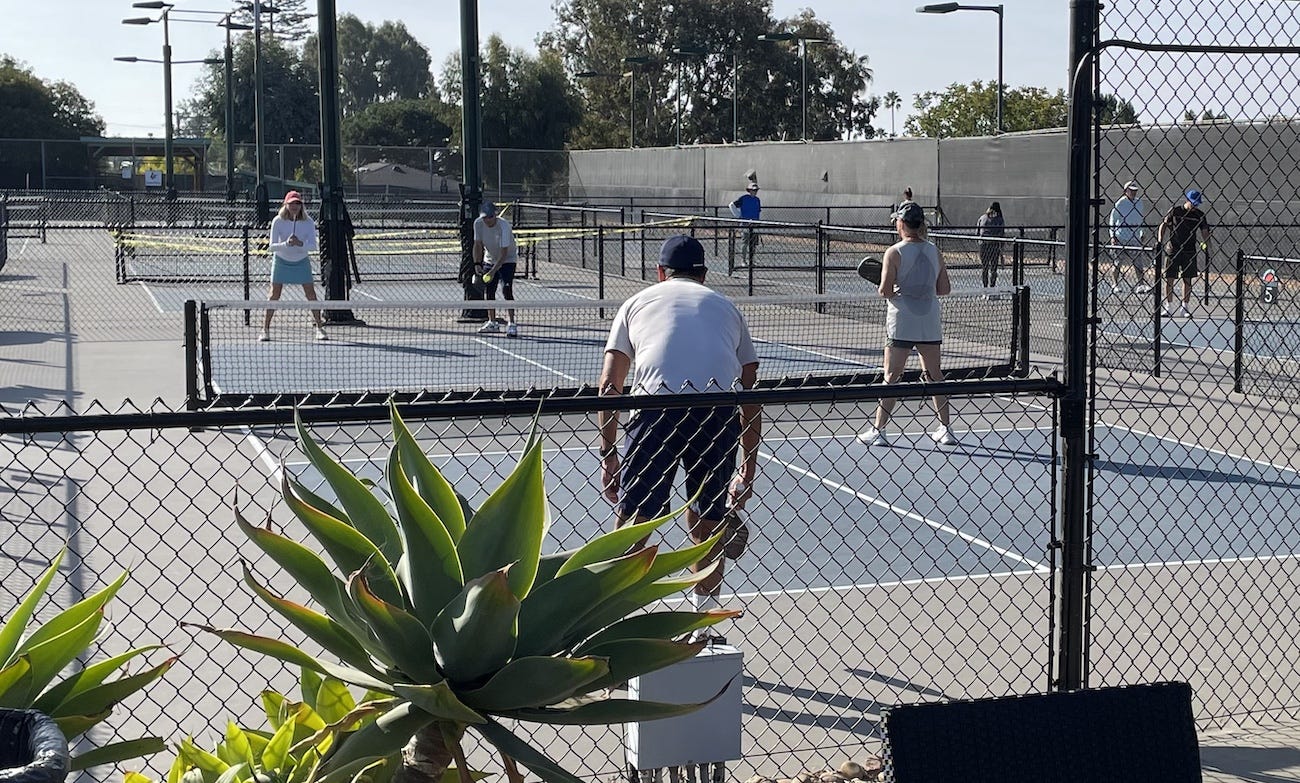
832 513
1280 339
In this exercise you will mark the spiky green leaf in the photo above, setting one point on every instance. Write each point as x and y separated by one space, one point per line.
14 628
652 587
237 747
352 773
549 613
656 625
382 737
604 712
509 527
75 725
276 754
273 703
525 754
74 616
365 513
430 568
106 696
476 633
309 684
13 682
613 544
403 637
440 701
84 679
235 773
198 757
54 654
306 493
333 701
630 658
290 654
117 752
428 480
535 682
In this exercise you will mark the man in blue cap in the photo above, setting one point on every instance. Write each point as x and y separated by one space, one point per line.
684 338
495 257
1179 229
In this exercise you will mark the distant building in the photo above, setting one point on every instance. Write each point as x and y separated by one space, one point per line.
387 176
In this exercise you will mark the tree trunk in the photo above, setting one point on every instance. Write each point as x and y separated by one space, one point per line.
428 755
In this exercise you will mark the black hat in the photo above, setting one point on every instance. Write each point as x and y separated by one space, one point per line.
682 252
910 212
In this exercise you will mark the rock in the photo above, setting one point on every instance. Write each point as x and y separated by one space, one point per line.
852 770
806 777
760 779
873 767
830 776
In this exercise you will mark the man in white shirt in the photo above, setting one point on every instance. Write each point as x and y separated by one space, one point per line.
1127 230
684 338
495 257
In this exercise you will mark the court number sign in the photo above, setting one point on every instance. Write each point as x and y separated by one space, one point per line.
1270 280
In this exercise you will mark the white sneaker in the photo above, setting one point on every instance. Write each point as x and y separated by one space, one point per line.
873 437
489 327
1169 309
320 334
512 329
1184 311
943 436
1142 289
264 336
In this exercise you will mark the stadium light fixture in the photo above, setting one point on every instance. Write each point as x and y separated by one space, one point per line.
803 40
169 165
681 53
633 61
948 8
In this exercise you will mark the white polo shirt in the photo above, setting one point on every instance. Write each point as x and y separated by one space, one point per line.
494 238
682 337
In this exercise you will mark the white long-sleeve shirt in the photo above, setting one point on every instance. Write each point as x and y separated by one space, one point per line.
304 228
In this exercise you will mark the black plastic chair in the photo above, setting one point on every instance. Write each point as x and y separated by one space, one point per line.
32 749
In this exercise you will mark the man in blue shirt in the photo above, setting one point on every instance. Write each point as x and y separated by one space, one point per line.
1127 229
748 207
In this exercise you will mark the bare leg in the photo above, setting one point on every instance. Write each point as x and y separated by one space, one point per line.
309 291
1187 290
273 295
933 372
701 529
895 363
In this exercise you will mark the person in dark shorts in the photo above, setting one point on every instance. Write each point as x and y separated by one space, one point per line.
684 338
991 224
1177 234
495 257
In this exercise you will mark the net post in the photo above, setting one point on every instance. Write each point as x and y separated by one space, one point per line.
1017 261
1239 325
820 265
205 353
1020 344
248 278
749 267
191 356
1157 312
1205 277
600 267
582 237
4 229
549 222
622 241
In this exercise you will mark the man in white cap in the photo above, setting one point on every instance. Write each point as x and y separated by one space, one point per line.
495 257
1127 230
748 206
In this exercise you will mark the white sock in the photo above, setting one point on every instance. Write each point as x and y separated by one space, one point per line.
705 603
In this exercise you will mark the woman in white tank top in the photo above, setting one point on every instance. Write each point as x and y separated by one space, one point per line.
911 281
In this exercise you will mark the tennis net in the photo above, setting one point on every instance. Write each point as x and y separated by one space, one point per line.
422 348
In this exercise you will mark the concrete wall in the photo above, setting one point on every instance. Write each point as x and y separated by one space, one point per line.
1246 170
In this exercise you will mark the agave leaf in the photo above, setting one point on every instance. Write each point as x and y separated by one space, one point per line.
440 701
76 725
403 637
321 629
174 772
553 609
334 701
363 713
477 632
237 745
383 737
309 684
52 655
116 752
630 658
535 682
16 625
290 654
303 491
234 773
306 767
276 754
87 678
365 513
428 480
679 560
201 759
350 549
13 682
657 625
604 712
74 616
613 544
350 773
105 697
273 703
509 527
135 777
550 565
308 570
525 754
430 569
651 588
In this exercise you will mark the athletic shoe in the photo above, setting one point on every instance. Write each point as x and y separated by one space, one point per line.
1184 312
708 636
512 329
264 336
489 327
1169 310
1142 289
1119 289
873 437
320 334
943 436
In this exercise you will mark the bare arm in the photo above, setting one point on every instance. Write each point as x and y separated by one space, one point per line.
478 252
942 283
889 274
751 437
613 376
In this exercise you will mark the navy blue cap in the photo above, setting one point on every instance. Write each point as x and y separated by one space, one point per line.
488 209
682 252
1194 196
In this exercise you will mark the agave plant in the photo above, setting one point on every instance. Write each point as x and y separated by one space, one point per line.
457 617
31 661
289 748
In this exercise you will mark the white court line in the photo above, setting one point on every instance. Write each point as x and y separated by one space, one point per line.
839 359
1186 444
968 538
1206 561
368 295
149 291
264 454
526 360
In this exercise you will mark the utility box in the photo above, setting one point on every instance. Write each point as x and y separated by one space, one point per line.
708 735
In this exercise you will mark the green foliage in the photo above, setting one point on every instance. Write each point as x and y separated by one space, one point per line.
290 24
376 64
292 101
403 123
1206 115
1114 110
971 110
32 108
458 619
32 659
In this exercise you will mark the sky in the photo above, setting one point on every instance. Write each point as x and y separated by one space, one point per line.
76 41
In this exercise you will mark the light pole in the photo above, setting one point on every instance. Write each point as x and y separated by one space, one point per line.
681 53
632 62
169 181
605 75
230 25
260 194
803 40
947 8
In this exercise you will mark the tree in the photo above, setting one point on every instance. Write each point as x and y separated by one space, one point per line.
290 24
32 108
971 110
292 103
1115 111
892 102
596 35
1206 115
383 63
405 123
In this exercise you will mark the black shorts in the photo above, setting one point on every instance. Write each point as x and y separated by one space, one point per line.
505 275
1183 266
703 440
908 345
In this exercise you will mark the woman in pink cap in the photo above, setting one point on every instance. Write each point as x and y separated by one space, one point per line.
293 237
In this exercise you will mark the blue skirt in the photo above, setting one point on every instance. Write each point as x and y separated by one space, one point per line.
291 272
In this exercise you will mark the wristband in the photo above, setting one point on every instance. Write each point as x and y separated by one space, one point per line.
606 451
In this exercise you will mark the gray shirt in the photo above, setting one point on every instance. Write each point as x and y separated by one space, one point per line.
915 314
